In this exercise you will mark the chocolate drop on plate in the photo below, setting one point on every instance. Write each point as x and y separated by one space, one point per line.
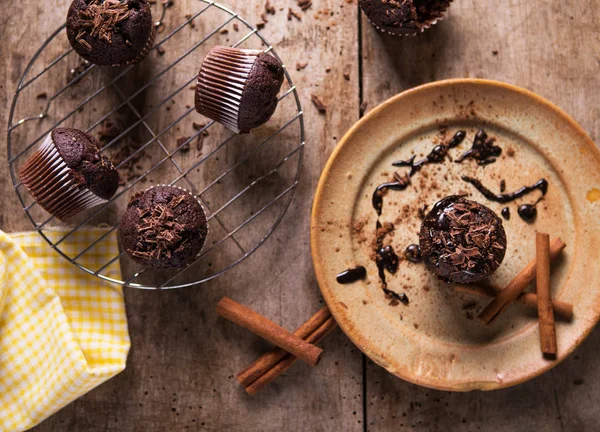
528 212
413 253
506 213
351 275
541 185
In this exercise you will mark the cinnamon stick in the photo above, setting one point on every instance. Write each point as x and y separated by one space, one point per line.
267 329
317 336
271 358
561 309
516 286
545 312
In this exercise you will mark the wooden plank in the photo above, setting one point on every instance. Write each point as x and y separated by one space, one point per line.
181 369
548 47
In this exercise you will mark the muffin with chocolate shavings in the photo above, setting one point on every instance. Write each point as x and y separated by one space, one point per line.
163 227
462 241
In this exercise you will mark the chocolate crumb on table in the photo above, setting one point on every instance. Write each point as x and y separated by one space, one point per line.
294 14
318 103
363 108
269 8
42 95
236 27
74 73
180 142
304 4
300 66
160 50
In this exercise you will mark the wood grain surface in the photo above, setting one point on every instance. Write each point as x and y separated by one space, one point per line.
181 370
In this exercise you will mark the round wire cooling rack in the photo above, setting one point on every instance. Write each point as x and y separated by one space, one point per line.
147 125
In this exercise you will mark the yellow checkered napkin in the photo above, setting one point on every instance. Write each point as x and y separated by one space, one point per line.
62 331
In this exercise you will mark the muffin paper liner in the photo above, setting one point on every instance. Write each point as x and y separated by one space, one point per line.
221 80
416 32
50 181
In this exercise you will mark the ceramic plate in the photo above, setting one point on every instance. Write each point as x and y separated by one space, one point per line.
436 340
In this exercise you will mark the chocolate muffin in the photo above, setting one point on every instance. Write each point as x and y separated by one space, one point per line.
68 174
238 87
163 227
110 32
404 17
462 241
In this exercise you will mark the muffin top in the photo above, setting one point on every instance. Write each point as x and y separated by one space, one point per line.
403 16
259 97
462 241
89 167
163 227
109 32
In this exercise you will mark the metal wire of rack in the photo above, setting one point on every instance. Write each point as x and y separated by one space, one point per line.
274 206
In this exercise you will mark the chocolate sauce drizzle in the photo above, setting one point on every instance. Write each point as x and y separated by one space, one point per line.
386 259
351 275
541 184
437 155
413 253
377 199
484 151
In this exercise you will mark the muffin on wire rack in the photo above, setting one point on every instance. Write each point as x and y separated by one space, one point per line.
67 174
404 17
163 227
111 32
238 87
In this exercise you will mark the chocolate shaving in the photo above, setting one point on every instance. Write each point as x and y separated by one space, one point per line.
85 44
100 19
158 232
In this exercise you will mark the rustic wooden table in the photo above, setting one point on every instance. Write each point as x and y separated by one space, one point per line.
180 372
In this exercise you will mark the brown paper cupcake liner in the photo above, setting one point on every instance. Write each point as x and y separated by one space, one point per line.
50 181
220 84
416 32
